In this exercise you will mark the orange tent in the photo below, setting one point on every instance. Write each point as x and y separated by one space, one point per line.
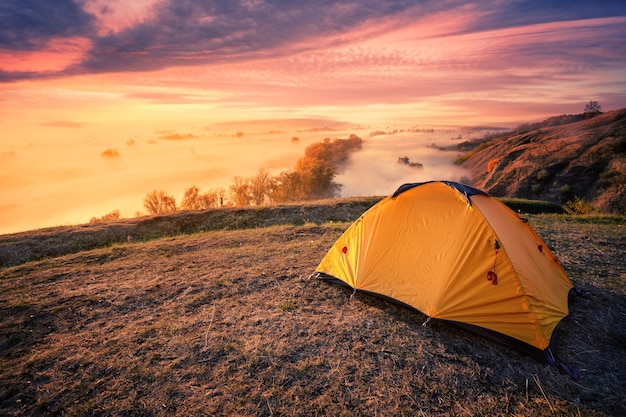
457 254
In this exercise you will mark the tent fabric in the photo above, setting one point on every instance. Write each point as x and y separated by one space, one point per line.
456 254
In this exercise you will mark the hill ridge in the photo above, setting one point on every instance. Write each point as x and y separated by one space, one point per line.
18 248
585 159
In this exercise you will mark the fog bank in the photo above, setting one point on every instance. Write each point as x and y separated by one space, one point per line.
67 180
375 170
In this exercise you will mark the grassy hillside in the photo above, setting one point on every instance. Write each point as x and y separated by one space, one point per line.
229 322
55 241
559 160
33 245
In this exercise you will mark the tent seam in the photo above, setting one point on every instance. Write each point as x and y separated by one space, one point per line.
531 310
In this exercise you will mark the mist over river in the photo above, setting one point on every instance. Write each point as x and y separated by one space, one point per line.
72 179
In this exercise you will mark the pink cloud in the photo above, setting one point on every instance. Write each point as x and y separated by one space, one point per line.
506 64
117 16
55 55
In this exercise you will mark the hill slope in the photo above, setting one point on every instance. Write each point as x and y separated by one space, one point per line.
584 159
228 322
33 245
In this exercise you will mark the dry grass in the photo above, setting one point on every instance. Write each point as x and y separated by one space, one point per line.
56 241
228 323
557 160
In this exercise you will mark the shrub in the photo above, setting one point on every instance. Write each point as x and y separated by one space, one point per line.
605 179
543 175
289 306
578 206
535 188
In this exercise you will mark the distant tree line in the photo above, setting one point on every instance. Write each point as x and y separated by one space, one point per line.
159 202
311 178
112 216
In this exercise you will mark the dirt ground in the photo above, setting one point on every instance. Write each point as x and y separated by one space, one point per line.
229 322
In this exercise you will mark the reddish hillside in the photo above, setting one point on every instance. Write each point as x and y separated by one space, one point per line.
584 160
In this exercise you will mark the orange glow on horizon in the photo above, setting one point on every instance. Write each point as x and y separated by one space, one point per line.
113 83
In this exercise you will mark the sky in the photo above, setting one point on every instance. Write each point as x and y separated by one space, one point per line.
169 83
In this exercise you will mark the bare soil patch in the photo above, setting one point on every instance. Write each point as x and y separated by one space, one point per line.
228 322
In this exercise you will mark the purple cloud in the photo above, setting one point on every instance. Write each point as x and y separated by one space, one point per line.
190 32
27 25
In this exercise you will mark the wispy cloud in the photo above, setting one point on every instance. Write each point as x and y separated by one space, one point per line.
189 32
176 33
400 68
321 52
186 32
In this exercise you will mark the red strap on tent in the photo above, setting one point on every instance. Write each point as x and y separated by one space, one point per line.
491 275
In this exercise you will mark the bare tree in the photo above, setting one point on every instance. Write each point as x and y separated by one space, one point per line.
240 191
191 199
259 186
158 202
208 200
592 108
